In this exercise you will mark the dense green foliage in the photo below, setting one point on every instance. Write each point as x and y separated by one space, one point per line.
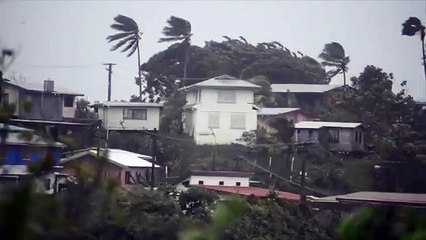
233 57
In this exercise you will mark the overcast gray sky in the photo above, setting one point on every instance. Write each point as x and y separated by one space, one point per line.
51 34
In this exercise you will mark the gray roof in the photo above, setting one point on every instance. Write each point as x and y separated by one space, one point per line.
319 124
377 198
118 157
39 87
221 173
128 104
223 81
25 136
302 88
275 111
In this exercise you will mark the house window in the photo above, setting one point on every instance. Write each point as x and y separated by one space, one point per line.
197 94
3 153
69 102
200 182
226 96
214 120
221 183
356 136
334 135
5 98
359 137
47 183
238 184
139 114
238 121
25 153
127 177
298 131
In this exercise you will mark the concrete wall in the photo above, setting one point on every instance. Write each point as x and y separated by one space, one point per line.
214 180
113 116
209 104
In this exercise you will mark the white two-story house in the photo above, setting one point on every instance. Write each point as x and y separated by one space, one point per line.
129 116
219 110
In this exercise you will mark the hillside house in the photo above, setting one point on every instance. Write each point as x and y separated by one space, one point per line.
40 101
305 96
22 147
339 136
129 116
219 110
127 168
227 184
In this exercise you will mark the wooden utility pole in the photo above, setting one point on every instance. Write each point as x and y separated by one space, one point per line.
109 69
154 157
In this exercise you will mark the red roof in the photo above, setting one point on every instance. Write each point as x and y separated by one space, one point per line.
247 191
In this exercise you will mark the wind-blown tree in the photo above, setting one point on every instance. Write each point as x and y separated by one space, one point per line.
334 56
179 29
411 27
233 57
128 39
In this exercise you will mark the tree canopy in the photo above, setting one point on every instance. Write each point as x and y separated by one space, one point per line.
233 57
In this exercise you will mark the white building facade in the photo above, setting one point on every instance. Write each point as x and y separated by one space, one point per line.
219 110
129 116
215 178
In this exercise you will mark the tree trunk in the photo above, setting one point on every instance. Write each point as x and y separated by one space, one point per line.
139 73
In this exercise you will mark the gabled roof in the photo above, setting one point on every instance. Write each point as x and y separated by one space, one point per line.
275 111
118 157
39 87
302 88
319 124
223 82
247 191
128 104
221 173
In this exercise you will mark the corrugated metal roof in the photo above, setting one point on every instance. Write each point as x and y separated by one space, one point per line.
129 104
221 173
275 111
247 191
377 198
319 124
302 88
223 81
117 156
39 87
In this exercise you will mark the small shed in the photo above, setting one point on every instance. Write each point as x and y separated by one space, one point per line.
339 136
128 168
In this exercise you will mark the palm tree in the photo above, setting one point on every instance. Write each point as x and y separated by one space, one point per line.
412 26
129 36
179 29
333 55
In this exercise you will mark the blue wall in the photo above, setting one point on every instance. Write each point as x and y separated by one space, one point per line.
15 154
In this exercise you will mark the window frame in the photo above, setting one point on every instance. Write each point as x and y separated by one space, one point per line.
127 116
221 183
68 99
238 184
210 122
232 125
222 99
200 182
